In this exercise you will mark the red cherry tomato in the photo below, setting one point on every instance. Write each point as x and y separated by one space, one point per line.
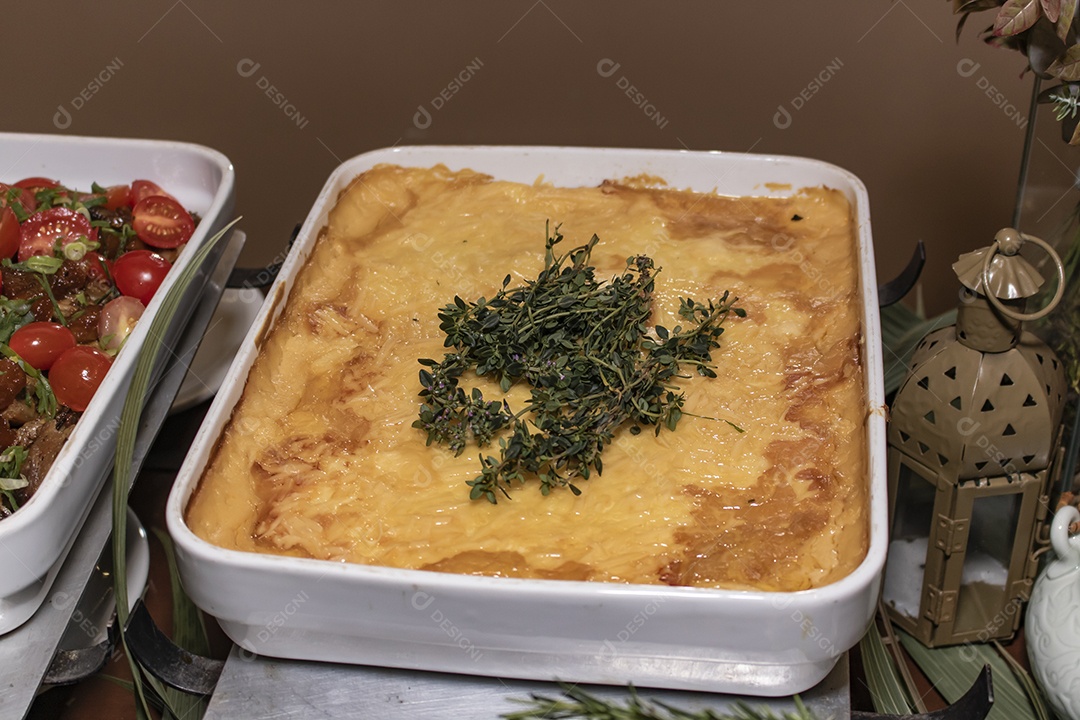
117 320
117 196
10 235
41 343
139 273
76 375
162 222
22 195
42 230
96 265
37 183
142 189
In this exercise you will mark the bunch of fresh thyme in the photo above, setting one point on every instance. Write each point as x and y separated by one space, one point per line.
585 349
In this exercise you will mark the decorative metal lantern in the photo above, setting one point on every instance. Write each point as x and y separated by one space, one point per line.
973 439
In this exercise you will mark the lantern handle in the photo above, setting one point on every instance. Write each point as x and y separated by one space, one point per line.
1000 306
1059 533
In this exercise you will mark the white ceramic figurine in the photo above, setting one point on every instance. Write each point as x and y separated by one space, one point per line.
1053 620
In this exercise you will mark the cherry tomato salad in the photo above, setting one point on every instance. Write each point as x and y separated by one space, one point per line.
77 270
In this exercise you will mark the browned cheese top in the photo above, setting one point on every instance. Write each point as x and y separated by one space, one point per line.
320 460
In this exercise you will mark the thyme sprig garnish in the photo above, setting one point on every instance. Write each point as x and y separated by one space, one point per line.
577 703
585 349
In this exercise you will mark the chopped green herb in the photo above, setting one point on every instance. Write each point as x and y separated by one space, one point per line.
11 479
11 460
57 312
13 199
42 265
13 315
584 348
46 400
45 264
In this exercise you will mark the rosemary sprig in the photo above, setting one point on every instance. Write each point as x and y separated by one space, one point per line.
584 348
576 703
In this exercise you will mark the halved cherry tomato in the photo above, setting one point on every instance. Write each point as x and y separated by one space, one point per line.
43 230
142 189
139 273
41 343
117 320
10 235
161 222
117 196
76 375
36 183
23 196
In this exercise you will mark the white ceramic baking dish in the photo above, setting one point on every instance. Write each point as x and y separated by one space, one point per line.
673 637
35 539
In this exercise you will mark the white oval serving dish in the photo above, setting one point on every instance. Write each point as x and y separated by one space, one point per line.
757 643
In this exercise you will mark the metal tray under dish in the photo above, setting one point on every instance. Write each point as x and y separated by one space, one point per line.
756 643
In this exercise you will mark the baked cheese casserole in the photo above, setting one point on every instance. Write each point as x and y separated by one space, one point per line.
320 458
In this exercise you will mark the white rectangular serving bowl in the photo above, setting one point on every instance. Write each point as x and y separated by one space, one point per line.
35 539
757 643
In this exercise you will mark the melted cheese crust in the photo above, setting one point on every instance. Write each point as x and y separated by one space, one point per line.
320 460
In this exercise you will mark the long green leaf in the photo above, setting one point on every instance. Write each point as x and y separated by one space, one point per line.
952 670
1034 695
886 687
188 632
130 416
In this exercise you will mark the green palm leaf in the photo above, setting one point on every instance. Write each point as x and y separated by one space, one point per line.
125 450
884 681
952 670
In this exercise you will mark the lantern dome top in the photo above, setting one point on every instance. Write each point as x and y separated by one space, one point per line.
967 414
1009 275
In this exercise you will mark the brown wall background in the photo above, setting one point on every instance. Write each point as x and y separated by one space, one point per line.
930 124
